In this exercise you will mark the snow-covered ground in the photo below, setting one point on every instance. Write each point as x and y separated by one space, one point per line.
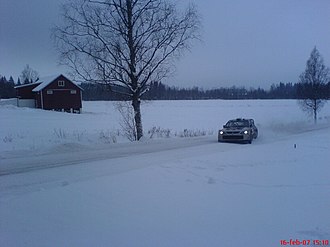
169 191
37 131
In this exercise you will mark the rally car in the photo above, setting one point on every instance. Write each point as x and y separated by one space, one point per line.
238 130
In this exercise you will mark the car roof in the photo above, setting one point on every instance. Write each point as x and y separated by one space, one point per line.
241 119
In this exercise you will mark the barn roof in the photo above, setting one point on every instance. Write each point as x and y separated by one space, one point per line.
45 81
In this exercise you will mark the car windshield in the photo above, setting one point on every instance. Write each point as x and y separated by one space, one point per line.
237 123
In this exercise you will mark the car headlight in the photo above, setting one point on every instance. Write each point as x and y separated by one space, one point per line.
221 132
246 132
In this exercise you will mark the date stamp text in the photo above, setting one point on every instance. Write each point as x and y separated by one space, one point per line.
304 242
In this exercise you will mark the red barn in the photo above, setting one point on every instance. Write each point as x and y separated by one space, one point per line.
51 93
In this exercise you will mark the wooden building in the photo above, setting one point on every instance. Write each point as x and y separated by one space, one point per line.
51 93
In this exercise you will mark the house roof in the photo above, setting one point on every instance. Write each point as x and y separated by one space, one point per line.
45 81
27 85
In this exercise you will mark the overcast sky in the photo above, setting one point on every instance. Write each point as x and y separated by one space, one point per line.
245 42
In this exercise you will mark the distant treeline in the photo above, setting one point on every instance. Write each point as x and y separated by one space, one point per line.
159 91
7 88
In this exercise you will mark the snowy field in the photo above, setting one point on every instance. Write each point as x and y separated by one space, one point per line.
35 131
73 180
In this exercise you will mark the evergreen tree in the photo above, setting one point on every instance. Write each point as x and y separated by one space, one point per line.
7 88
11 80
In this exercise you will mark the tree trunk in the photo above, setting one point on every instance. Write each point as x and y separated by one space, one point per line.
137 117
315 110
132 68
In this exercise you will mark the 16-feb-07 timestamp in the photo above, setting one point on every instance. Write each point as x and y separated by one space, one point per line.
304 242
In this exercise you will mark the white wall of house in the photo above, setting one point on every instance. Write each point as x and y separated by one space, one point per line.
26 103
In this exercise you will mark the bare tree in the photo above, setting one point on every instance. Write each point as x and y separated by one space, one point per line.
124 43
29 75
312 88
127 122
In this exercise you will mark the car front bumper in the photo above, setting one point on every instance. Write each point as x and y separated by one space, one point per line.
233 137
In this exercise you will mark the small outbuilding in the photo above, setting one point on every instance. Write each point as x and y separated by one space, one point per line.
51 93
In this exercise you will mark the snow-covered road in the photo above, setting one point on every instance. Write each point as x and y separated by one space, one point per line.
118 158
71 154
